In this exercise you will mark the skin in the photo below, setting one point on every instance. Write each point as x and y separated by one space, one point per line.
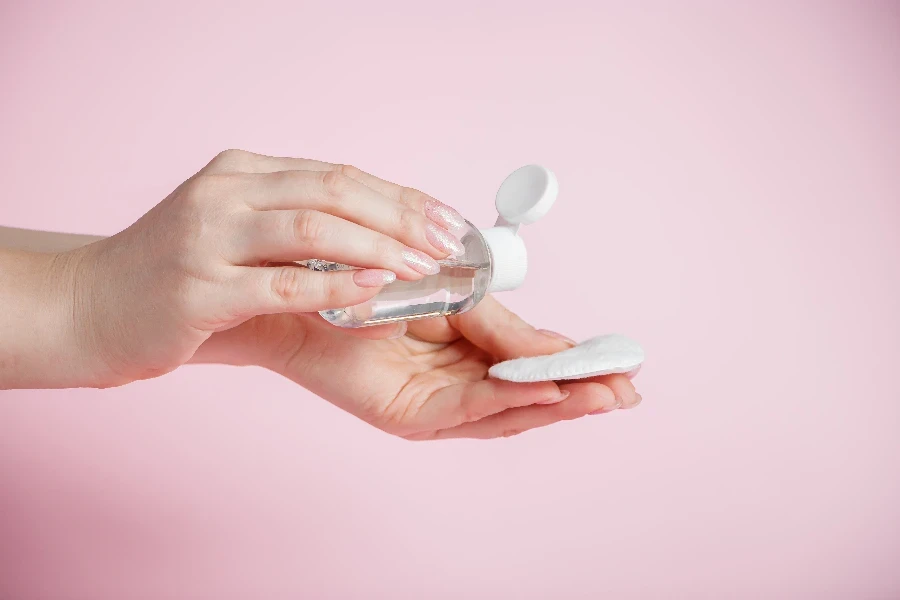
205 277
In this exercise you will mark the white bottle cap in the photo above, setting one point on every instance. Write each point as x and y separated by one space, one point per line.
526 195
523 198
509 260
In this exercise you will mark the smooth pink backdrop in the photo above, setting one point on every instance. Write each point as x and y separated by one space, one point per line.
730 177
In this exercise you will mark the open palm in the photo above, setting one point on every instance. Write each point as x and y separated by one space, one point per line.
430 383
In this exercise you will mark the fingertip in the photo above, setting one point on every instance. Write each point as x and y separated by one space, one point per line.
370 278
556 397
592 398
400 330
634 402
558 336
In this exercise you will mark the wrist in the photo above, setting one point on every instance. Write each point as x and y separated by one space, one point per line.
39 344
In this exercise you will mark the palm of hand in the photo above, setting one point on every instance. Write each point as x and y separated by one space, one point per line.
432 382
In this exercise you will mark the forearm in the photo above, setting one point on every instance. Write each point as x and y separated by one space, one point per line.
39 345
13 238
38 348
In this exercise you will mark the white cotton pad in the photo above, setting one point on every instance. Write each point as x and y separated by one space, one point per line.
601 355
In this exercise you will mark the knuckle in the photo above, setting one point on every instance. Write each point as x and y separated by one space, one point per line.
349 171
287 284
382 245
308 227
331 291
288 177
410 222
232 158
335 184
196 191
207 187
334 292
413 198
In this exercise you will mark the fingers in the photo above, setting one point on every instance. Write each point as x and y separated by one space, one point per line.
333 193
293 289
412 198
464 402
502 334
284 235
240 161
434 209
438 331
621 386
584 399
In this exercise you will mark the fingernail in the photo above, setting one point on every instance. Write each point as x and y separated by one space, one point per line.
633 373
420 262
558 336
637 400
562 395
368 278
443 240
611 403
444 216
401 331
607 409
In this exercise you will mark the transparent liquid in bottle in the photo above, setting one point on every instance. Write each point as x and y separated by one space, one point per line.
461 283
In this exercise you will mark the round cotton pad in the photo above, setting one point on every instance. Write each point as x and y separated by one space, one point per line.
601 355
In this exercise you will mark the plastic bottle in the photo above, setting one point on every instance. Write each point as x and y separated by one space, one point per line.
495 260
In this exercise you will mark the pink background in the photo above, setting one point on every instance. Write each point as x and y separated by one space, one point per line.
730 177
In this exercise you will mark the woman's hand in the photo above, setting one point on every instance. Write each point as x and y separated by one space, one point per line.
140 303
425 382
202 278
431 383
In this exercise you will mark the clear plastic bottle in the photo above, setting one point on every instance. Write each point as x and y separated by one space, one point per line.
494 260
461 283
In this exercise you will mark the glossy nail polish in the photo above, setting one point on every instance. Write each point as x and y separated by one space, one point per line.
421 262
443 240
373 277
489 260
444 216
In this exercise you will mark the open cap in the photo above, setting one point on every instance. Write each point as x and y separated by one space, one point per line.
523 198
526 195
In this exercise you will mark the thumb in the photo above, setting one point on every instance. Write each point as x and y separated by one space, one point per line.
504 335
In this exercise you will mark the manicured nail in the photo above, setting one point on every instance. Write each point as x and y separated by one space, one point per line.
444 216
443 240
401 331
368 278
562 395
558 336
420 262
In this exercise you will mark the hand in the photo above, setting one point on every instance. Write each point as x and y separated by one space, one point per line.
428 384
211 256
